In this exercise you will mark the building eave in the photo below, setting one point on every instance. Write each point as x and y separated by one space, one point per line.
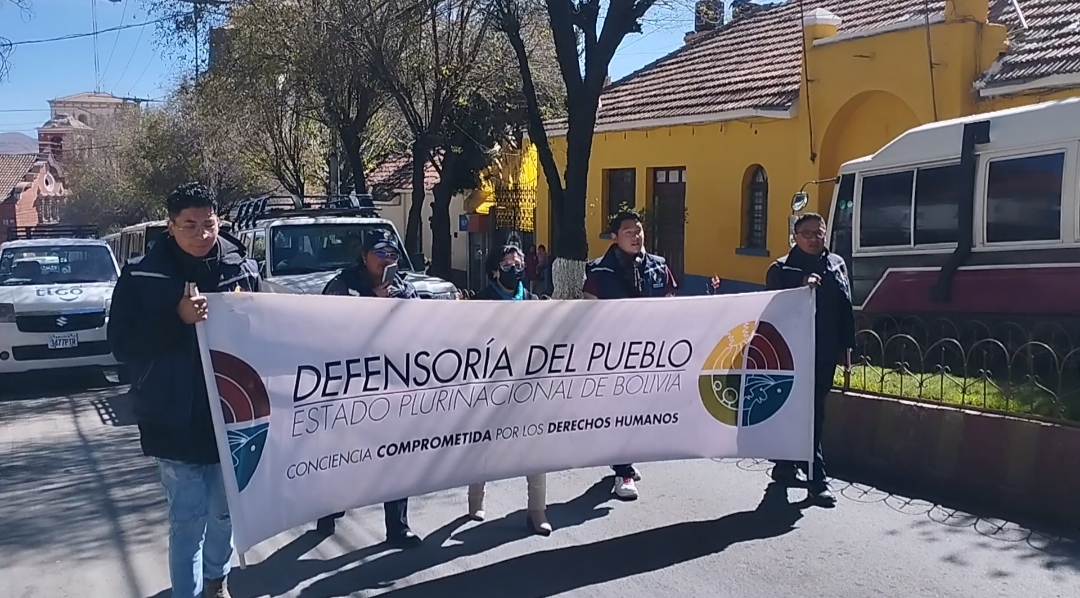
893 27
1052 82
679 121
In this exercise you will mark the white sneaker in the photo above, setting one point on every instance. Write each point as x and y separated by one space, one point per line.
625 489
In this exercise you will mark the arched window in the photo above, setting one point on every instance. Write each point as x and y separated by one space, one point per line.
756 210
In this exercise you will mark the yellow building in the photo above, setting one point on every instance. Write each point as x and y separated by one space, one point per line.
730 126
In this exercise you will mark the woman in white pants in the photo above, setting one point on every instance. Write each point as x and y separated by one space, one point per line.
505 266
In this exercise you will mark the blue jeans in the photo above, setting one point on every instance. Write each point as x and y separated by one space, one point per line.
200 530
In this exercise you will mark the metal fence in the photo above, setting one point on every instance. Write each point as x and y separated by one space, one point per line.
1028 368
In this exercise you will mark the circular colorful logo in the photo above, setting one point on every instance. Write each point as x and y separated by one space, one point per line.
246 407
748 376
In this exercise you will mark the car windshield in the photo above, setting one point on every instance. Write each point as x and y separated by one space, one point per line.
56 264
308 248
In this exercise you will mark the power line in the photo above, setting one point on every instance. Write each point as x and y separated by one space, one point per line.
62 38
97 64
116 39
24 109
133 51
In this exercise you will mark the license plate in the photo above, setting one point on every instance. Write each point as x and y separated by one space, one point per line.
64 341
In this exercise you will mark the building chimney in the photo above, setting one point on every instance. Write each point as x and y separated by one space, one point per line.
742 9
708 15
819 24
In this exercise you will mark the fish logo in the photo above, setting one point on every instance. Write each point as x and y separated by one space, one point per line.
748 376
245 405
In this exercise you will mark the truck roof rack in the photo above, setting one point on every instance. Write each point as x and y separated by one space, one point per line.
52 231
264 207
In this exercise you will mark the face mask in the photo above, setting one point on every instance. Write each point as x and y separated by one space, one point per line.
509 279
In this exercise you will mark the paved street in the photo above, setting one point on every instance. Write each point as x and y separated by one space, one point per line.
81 515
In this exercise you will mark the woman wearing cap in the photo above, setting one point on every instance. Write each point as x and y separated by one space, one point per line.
506 267
365 279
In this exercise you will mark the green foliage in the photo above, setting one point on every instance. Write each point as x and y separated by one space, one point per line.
140 156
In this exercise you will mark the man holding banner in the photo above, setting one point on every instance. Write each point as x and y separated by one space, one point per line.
810 264
376 275
156 304
627 271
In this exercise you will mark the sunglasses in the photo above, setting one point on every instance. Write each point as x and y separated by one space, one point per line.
383 254
511 267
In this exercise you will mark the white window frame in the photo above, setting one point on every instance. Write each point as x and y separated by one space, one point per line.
857 250
1069 227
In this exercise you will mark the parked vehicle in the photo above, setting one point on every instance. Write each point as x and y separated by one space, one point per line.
131 243
302 243
55 295
976 217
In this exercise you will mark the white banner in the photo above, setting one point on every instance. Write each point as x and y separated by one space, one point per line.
330 403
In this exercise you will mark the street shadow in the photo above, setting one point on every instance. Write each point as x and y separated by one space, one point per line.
116 410
72 490
560 570
36 385
284 570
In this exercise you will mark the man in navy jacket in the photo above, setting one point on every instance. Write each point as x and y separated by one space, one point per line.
810 263
627 271
155 306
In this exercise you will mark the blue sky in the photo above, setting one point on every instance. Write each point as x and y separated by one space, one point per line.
132 64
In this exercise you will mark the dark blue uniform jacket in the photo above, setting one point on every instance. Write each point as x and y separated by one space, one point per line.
161 351
834 322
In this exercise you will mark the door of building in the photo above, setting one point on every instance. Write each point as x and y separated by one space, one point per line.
666 218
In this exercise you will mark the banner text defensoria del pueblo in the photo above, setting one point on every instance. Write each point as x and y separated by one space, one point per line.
330 403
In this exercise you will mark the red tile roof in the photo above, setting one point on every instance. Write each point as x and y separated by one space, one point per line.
13 169
1049 46
756 63
395 173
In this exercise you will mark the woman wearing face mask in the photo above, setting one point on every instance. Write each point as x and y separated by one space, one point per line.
506 267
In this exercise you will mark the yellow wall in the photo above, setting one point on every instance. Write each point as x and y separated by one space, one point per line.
863 93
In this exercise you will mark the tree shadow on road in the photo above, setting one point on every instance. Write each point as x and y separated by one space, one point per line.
559 570
284 570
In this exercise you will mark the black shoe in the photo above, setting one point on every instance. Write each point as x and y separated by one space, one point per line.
822 496
635 474
404 539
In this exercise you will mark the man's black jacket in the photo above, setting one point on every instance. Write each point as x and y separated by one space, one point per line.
835 319
161 351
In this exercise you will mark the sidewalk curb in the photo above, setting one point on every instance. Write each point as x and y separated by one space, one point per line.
1018 466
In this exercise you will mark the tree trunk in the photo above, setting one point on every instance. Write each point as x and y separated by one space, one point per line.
351 143
573 242
419 194
441 251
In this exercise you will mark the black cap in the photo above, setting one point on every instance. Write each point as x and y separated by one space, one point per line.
381 239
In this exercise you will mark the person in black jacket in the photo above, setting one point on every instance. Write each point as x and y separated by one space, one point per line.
506 267
155 306
365 279
810 263
627 271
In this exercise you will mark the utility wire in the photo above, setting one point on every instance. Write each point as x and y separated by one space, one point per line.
131 56
97 64
116 39
62 38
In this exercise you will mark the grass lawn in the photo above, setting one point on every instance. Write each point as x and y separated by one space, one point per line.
970 392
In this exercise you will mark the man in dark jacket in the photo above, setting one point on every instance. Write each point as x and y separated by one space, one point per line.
627 271
365 279
155 306
809 263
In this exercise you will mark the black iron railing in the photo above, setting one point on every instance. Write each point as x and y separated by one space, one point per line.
1023 368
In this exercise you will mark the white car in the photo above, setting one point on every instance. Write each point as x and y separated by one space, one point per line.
55 296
